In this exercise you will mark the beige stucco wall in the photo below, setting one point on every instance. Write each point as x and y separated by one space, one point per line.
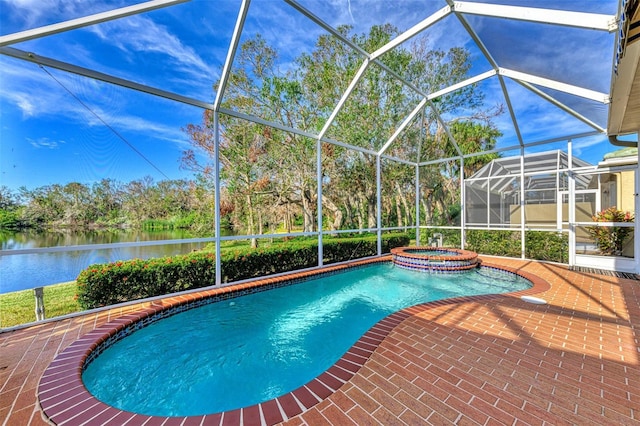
625 183
546 214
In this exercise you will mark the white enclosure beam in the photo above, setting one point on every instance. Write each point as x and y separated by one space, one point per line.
231 53
445 127
417 201
295 131
462 84
439 160
354 46
86 247
327 27
523 206
85 72
217 194
463 206
478 41
571 216
399 160
319 176
512 113
514 147
562 106
636 220
379 205
402 126
85 21
556 85
592 21
258 120
421 138
412 32
474 36
345 96
532 144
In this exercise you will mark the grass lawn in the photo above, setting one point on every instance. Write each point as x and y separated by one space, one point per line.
18 307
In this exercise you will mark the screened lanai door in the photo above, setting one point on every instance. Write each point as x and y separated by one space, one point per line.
601 219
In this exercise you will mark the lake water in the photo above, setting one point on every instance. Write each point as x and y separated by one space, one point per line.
26 271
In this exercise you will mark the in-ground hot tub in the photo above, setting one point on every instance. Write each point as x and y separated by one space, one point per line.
436 260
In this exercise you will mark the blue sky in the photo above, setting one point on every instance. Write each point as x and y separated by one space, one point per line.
57 127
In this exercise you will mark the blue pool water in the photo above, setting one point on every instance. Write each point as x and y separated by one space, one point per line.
253 348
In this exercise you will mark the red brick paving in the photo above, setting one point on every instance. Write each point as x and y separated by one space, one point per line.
487 361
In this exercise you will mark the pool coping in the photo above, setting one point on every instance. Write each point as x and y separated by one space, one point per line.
63 398
435 261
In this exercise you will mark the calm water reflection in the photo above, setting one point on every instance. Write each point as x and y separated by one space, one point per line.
25 271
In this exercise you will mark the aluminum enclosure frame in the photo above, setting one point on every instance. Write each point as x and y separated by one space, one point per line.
461 10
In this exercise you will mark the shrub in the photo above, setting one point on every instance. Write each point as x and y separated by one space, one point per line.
499 243
551 246
117 282
539 245
450 237
247 263
610 239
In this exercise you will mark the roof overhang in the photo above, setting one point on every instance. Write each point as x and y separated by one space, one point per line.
624 113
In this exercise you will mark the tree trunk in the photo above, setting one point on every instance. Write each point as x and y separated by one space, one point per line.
287 218
426 209
307 210
401 195
359 215
371 210
335 211
349 209
251 227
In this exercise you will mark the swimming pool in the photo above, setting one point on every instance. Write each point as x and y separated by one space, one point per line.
243 351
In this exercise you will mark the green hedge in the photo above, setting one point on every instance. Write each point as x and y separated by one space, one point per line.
116 282
499 243
551 246
450 237
539 245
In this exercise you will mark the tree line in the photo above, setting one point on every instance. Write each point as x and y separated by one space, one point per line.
269 175
108 203
268 171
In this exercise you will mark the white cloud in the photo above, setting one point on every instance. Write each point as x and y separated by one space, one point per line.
135 124
24 104
17 94
583 145
139 34
144 43
38 96
45 143
36 13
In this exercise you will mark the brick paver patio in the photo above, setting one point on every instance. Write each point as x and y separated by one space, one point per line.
487 361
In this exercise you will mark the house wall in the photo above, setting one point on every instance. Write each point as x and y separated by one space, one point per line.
626 200
546 214
626 184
